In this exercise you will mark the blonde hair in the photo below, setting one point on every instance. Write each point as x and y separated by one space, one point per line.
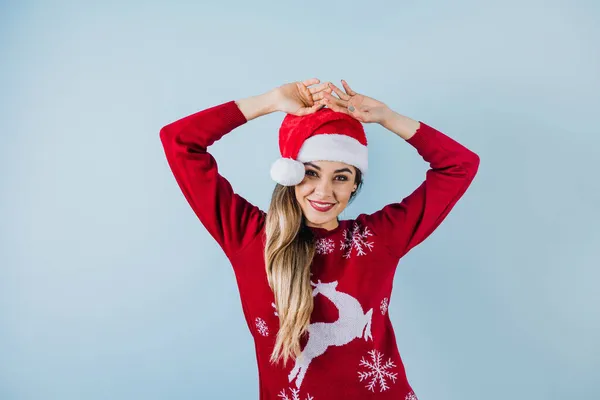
289 252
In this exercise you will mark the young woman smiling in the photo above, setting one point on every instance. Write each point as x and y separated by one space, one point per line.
315 289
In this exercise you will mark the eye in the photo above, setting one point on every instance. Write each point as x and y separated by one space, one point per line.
310 172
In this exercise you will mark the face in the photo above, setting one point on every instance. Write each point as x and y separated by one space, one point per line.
329 182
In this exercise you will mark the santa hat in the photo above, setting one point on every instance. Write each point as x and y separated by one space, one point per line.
324 135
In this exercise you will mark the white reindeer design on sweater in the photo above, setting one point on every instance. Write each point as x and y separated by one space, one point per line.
351 324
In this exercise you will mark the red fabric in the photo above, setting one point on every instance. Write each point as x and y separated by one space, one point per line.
351 351
295 129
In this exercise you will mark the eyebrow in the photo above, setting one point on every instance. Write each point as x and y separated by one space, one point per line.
335 172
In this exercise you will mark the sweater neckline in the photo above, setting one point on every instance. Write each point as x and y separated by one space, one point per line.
322 232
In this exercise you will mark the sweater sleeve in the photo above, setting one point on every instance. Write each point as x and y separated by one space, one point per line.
231 220
453 167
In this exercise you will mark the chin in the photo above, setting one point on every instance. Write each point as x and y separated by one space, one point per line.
317 218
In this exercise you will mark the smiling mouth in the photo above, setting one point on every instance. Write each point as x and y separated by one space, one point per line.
322 207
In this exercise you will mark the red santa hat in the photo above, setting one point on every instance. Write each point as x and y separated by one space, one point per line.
324 135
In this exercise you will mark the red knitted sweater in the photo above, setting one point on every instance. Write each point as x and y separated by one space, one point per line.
350 351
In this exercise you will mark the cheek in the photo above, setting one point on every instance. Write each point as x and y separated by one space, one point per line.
345 192
302 190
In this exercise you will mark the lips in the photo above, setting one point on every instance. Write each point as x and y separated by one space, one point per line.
321 207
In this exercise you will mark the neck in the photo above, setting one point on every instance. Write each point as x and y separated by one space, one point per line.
329 225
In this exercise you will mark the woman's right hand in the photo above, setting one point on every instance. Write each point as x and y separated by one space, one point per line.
297 98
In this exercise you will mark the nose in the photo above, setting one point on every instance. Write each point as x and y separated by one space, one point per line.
323 189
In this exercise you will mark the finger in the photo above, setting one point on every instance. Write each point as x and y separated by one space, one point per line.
321 95
305 93
310 81
318 88
338 91
331 99
336 107
309 110
347 88
318 106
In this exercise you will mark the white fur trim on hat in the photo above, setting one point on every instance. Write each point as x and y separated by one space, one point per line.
287 172
334 147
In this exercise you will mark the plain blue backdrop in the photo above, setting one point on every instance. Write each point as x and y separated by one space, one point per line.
110 288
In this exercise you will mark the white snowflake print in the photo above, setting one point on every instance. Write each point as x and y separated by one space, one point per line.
325 246
295 395
261 327
378 372
357 240
411 396
275 308
384 305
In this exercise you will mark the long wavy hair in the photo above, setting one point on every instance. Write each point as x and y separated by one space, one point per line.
289 252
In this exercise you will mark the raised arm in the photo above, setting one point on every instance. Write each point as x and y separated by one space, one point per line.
405 224
231 220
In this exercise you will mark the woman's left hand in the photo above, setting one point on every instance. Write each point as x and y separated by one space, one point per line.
363 108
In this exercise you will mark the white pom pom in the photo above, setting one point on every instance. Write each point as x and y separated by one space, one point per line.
287 172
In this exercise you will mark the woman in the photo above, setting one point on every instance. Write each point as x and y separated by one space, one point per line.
315 289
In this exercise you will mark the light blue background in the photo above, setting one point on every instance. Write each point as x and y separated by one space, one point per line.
110 288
